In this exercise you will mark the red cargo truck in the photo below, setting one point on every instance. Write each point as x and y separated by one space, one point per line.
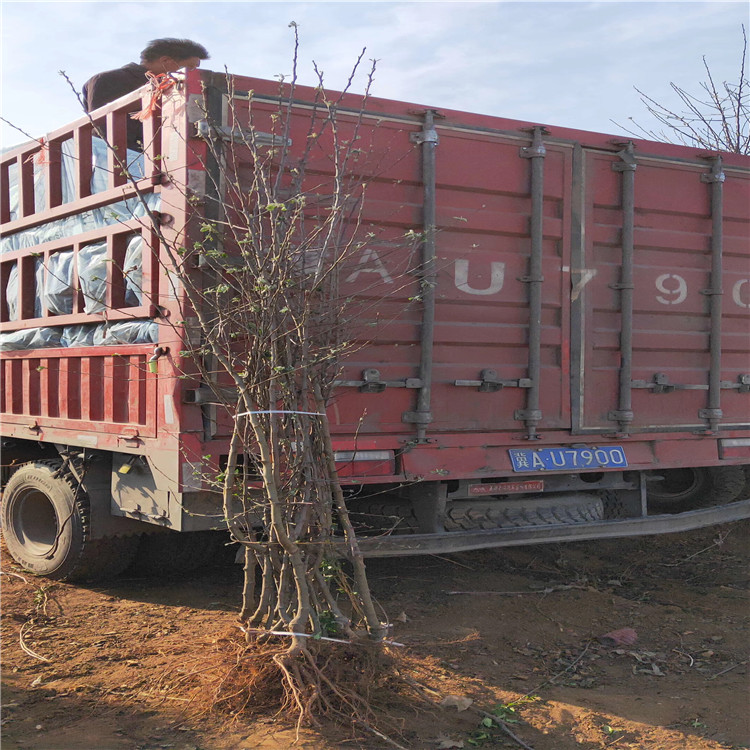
562 353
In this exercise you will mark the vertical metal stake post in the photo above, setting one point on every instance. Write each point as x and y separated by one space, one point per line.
627 165
532 414
715 178
428 138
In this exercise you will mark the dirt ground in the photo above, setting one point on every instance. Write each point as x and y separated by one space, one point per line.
515 631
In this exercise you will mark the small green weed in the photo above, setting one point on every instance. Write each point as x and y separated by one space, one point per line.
328 624
506 713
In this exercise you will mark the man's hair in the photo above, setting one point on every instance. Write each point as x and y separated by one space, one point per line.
177 49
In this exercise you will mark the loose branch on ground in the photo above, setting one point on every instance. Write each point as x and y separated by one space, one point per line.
26 649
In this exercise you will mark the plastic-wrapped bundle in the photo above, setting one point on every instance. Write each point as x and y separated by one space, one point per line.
13 192
40 187
58 283
40 190
114 213
30 338
133 271
86 334
11 290
92 276
82 335
134 162
127 332
68 170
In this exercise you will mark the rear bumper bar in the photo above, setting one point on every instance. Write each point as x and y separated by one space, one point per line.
401 545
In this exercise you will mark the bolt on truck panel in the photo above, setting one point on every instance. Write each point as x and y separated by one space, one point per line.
552 325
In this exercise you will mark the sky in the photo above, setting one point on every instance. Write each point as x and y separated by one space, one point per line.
566 64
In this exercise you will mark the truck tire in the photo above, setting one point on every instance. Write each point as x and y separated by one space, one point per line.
542 511
46 526
728 484
382 517
745 491
677 490
175 553
469 515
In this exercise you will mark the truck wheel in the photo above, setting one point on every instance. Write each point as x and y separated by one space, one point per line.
46 527
745 491
174 553
543 511
675 490
728 484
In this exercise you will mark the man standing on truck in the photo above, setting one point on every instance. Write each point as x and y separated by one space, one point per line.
160 56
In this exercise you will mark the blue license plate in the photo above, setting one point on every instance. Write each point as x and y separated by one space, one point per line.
563 459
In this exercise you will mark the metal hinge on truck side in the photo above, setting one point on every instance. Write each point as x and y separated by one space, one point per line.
489 382
371 382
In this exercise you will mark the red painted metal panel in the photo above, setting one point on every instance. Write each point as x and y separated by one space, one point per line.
671 317
80 389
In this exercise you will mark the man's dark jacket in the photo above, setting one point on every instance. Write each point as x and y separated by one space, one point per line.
112 84
105 87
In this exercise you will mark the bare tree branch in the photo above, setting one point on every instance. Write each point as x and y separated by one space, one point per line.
718 118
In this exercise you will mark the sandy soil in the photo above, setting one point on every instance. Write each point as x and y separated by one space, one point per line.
515 628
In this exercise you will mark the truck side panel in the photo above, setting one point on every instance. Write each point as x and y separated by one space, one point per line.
117 398
671 315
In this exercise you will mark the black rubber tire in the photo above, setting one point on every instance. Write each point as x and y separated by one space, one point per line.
745 491
690 488
614 509
175 553
678 489
544 511
468 515
728 483
46 526
382 517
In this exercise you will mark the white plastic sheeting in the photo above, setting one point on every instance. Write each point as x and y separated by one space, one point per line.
134 161
55 278
114 213
11 290
89 334
81 335
133 271
11 293
58 283
56 286
31 338
92 275
127 332
100 159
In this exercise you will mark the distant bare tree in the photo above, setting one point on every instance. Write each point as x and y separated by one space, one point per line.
717 118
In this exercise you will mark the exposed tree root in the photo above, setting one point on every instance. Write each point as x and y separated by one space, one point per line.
352 685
